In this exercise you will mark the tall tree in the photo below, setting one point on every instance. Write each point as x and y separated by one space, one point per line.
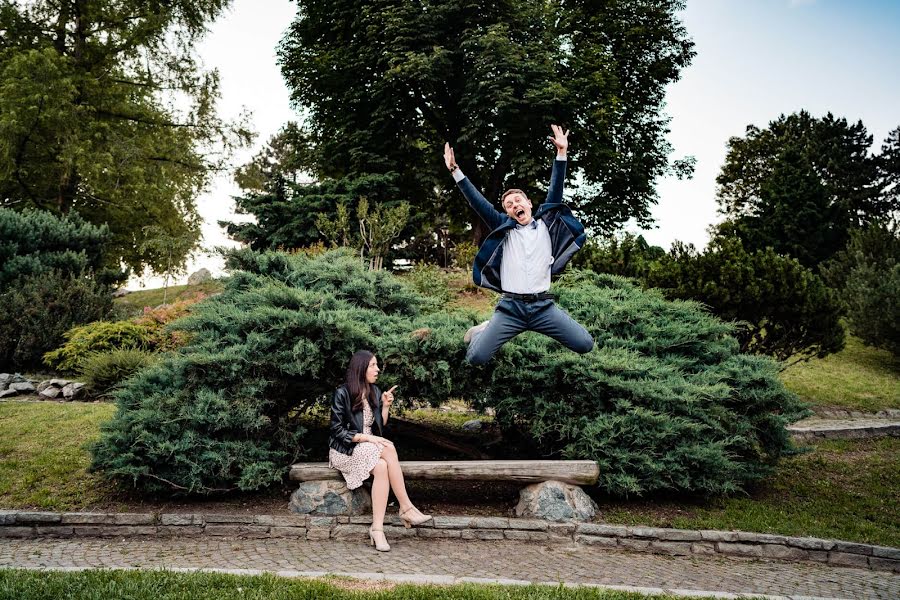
801 184
105 109
385 84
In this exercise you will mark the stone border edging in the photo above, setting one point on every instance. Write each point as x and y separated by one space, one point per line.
844 413
658 540
845 430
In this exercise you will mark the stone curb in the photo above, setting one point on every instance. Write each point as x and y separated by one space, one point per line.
446 580
657 540
869 429
840 413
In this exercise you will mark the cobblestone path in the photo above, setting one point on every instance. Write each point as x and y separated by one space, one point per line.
449 560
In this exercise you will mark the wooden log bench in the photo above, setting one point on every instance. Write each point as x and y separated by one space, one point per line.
571 472
575 472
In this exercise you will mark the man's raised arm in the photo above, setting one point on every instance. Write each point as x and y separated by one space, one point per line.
491 216
560 139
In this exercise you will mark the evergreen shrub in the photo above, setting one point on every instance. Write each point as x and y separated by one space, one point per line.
430 281
630 256
34 242
665 401
146 332
97 337
783 309
39 309
867 276
102 371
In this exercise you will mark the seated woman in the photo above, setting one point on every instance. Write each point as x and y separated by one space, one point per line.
355 452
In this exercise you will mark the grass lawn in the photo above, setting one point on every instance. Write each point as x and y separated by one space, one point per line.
857 378
163 585
843 489
43 460
136 301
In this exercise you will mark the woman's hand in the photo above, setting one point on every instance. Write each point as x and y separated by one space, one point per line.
387 398
379 441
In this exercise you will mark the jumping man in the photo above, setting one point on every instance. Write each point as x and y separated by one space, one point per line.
518 258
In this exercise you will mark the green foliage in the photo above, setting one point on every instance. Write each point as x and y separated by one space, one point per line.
430 281
867 275
104 370
36 311
801 184
97 337
173 251
288 214
89 117
490 81
378 228
784 309
665 402
147 331
464 255
34 242
629 257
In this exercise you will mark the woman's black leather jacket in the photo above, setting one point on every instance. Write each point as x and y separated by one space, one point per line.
345 423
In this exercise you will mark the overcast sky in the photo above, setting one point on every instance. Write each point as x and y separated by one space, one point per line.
756 59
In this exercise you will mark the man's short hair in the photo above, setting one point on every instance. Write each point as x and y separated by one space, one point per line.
512 191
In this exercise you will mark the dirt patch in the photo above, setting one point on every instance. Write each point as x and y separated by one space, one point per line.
359 585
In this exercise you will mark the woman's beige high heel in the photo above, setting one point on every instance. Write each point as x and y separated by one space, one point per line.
381 543
411 516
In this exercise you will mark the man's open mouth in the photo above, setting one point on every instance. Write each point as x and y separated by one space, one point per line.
520 213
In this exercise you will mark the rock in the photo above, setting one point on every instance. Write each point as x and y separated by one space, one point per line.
51 391
60 383
200 276
555 501
473 425
120 292
22 386
8 379
73 391
330 498
6 393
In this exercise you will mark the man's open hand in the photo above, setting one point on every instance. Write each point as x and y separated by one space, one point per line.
449 158
560 139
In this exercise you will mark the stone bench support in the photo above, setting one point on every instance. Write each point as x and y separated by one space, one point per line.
552 494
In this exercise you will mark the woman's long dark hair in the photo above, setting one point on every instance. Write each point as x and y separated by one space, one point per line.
357 384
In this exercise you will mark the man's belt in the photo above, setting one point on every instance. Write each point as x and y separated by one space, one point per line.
529 297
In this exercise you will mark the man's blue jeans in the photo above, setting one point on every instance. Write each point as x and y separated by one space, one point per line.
512 317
